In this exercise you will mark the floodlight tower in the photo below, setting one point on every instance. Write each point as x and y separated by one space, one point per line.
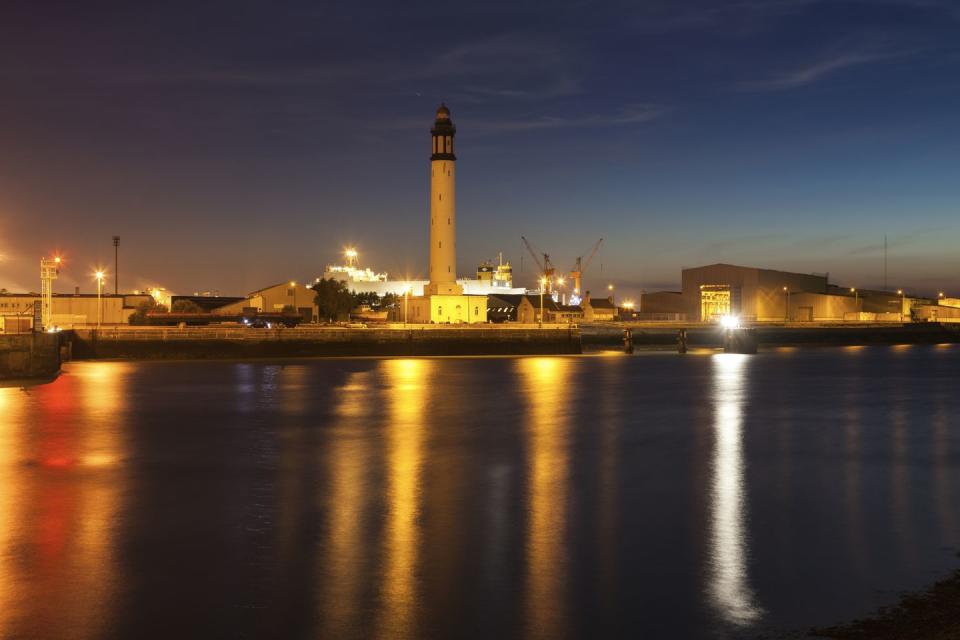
49 270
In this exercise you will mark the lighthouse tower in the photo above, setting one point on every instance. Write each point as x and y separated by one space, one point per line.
443 208
443 300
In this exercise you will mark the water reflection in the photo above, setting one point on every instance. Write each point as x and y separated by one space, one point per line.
12 408
729 586
546 385
60 494
408 388
348 462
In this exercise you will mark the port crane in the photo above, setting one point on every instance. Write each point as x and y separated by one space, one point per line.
580 266
547 270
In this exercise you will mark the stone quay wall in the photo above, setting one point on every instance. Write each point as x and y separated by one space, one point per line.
29 355
151 343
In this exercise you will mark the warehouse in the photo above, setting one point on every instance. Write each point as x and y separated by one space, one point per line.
757 294
70 310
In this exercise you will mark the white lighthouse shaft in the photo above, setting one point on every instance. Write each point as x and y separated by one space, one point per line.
443 222
443 208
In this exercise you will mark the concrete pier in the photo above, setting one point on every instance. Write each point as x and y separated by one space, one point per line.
151 343
29 356
656 335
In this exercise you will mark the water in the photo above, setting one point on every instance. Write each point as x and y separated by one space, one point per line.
654 496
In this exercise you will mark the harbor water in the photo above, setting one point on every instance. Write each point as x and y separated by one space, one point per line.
598 496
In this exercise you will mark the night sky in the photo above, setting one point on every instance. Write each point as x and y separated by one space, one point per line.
233 145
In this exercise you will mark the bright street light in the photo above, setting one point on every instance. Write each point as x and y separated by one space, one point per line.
99 275
543 284
730 322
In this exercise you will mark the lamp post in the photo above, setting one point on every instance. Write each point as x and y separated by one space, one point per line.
116 265
786 304
902 302
406 301
543 284
856 300
99 275
293 285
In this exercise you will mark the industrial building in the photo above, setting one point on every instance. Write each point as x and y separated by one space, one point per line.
598 309
276 298
69 310
767 295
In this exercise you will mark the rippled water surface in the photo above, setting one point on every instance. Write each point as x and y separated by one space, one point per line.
654 496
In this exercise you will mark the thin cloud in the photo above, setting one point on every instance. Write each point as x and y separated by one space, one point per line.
812 73
633 114
512 66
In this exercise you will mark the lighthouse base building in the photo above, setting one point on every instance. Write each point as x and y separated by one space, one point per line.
443 299
448 309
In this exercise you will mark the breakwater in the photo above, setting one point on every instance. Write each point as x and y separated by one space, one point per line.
665 334
29 355
151 343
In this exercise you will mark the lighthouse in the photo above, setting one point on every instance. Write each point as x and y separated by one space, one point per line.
443 300
443 207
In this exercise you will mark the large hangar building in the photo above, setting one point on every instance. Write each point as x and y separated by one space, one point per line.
751 293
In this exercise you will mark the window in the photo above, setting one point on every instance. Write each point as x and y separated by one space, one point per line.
439 196
476 311
440 244
448 220
290 292
439 311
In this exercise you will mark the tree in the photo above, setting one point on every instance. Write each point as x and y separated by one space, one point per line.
186 306
139 316
389 300
369 298
333 300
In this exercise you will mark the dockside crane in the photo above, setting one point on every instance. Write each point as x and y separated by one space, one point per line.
580 267
546 267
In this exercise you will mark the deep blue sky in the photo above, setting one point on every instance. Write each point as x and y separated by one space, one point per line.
236 144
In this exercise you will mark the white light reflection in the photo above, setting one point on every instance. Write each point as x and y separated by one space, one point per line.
730 591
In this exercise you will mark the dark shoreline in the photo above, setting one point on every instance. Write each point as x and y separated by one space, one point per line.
931 614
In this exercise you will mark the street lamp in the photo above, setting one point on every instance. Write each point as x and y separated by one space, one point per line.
856 300
786 304
406 302
293 285
543 284
99 275
902 302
